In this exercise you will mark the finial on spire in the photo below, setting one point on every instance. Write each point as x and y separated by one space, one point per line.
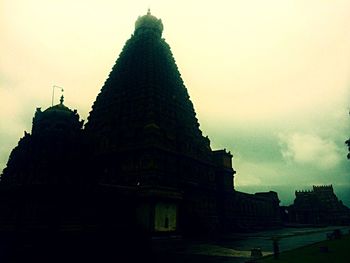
148 23
53 92
61 100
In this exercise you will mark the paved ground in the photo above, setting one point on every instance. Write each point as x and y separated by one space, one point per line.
237 247
335 250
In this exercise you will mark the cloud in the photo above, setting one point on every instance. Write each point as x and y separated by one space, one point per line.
310 149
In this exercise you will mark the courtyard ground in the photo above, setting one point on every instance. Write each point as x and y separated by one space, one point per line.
336 251
237 247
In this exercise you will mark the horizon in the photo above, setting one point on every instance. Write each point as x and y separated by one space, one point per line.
269 81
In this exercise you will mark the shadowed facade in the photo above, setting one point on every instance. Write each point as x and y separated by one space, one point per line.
147 134
319 206
140 167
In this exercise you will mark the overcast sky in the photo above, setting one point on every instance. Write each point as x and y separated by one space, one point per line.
269 79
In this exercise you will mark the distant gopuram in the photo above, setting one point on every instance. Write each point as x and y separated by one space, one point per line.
319 206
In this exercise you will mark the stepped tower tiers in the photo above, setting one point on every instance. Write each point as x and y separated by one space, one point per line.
144 121
147 136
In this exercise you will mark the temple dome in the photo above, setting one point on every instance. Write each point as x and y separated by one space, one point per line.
56 118
148 22
59 109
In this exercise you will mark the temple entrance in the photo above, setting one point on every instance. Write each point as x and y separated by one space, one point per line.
165 217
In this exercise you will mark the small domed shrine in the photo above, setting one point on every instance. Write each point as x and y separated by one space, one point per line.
49 154
58 118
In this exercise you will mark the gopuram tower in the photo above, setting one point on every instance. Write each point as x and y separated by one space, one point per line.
147 137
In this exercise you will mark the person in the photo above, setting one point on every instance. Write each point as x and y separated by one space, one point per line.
276 249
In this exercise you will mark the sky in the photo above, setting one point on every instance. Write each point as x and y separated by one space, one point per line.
269 80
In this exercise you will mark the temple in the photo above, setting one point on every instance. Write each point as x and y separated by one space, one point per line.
141 164
319 206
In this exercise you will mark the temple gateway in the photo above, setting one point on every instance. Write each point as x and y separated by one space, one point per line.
139 165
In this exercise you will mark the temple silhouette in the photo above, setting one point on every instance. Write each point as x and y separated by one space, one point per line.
139 167
319 206
141 153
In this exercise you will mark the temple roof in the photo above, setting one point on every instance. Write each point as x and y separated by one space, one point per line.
57 117
148 21
59 108
46 155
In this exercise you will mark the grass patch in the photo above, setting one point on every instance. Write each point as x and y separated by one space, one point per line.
338 252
